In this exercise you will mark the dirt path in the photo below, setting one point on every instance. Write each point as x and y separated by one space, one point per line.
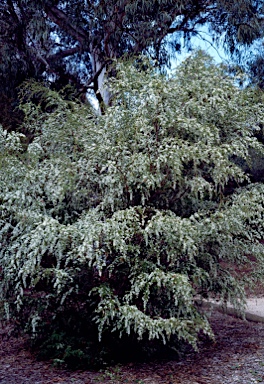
236 357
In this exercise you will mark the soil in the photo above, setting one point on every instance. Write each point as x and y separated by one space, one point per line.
236 356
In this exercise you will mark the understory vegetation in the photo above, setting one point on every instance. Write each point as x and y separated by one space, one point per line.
113 226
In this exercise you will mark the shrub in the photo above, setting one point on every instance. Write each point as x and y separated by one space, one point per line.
112 226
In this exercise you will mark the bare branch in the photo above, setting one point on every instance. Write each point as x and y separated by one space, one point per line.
61 19
43 61
95 76
64 53
12 11
210 43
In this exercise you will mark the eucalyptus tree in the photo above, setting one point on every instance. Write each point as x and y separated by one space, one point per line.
113 226
255 66
75 41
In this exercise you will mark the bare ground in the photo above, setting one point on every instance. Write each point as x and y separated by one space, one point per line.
237 356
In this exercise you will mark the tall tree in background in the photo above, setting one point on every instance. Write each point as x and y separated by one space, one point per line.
255 66
75 41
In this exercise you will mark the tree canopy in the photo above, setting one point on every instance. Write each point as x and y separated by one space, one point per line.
112 226
73 42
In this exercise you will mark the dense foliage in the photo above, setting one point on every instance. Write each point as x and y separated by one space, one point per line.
73 42
119 223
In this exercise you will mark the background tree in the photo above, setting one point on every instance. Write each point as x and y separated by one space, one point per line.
113 225
255 66
75 41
